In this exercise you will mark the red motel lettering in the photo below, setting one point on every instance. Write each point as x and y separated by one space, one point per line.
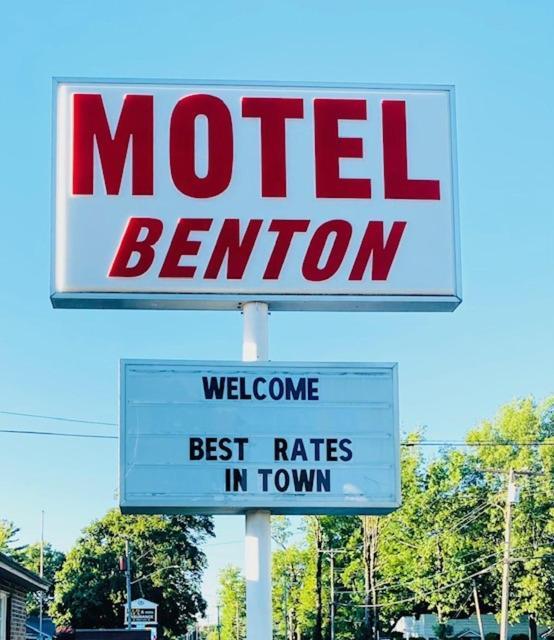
233 247
229 244
136 123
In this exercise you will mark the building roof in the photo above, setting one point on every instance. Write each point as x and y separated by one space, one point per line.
14 572
467 633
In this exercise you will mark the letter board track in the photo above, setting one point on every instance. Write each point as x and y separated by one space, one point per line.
186 195
295 438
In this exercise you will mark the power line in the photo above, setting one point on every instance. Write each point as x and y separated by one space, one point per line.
421 443
483 443
57 418
469 517
425 594
385 585
60 434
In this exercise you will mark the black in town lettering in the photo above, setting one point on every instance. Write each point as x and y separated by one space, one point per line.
284 479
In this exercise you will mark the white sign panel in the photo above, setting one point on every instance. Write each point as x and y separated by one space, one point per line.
188 195
212 437
144 613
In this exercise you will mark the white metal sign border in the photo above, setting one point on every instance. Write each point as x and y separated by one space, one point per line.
384 507
277 302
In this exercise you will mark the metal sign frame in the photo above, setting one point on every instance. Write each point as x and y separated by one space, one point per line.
277 302
383 507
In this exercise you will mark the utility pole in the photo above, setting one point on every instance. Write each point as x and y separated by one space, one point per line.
128 580
286 606
478 610
511 499
332 561
218 623
333 605
41 573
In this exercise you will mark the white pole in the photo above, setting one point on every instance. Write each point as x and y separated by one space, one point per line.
258 523
254 338
41 573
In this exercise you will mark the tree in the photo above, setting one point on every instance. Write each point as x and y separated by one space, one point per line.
419 557
381 556
525 421
447 534
455 543
315 572
293 594
29 557
232 601
211 632
53 561
289 589
8 539
167 569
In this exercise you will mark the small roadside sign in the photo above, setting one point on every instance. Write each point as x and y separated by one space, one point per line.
144 613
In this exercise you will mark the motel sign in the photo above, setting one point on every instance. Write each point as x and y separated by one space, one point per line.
173 195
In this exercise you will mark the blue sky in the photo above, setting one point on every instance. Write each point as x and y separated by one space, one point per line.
455 369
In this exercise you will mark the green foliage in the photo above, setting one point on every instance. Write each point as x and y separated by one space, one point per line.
453 538
533 529
167 565
448 533
293 598
29 557
442 630
232 602
281 530
8 539
53 561
211 633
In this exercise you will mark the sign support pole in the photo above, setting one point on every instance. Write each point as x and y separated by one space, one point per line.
258 523
128 584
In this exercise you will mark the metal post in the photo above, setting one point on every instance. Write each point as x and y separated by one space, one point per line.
511 498
41 573
478 611
258 523
218 624
128 580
